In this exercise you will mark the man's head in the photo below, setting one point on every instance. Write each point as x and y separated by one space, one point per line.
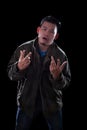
48 30
52 20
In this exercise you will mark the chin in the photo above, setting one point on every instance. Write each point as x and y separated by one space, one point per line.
44 44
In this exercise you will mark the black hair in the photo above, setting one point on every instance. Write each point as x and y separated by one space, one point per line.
53 20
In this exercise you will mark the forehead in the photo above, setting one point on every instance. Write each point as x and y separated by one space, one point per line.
49 25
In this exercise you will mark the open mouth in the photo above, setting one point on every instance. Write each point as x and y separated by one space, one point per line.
44 38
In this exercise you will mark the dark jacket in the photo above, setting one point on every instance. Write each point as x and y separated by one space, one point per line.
37 76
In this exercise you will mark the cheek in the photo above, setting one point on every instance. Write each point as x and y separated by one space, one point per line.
52 37
40 33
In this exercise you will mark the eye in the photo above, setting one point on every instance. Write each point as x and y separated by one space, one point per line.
43 28
51 31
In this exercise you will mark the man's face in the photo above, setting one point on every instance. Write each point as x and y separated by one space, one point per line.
47 33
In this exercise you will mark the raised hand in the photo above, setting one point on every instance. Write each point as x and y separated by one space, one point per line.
56 68
24 61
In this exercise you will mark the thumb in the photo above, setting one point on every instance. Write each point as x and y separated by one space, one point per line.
63 65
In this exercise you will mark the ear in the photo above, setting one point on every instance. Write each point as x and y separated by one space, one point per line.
38 28
57 35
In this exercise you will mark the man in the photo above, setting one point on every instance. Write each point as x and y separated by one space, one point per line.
41 69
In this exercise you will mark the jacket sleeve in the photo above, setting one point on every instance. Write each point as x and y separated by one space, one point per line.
64 79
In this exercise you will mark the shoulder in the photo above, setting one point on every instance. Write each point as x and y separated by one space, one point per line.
26 44
60 50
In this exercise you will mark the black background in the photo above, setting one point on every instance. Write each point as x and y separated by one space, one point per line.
19 22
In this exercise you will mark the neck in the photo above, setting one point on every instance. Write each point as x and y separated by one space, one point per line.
43 47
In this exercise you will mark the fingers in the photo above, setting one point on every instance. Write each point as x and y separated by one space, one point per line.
52 58
24 61
57 65
53 63
28 56
22 53
62 66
